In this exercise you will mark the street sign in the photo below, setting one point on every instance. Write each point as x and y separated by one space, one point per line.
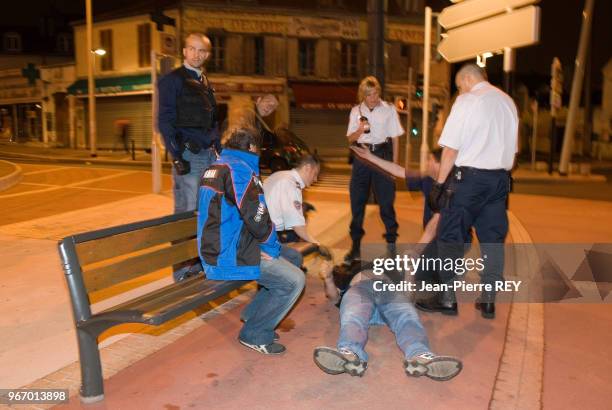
556 87
473 10
516 29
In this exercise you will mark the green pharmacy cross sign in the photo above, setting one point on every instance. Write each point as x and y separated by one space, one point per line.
31 73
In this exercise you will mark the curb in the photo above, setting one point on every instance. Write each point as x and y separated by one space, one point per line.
73 160
519 380
7 181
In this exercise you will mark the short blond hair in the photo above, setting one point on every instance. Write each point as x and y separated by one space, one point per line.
366 86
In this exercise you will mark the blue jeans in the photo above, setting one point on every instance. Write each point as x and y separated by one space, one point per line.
186 189
282 283
186 186
362 307
292 255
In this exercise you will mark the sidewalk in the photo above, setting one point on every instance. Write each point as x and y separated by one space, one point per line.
198 363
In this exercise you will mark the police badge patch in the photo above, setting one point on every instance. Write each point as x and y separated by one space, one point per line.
298 205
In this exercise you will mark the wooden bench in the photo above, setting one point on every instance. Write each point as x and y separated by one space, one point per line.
110 262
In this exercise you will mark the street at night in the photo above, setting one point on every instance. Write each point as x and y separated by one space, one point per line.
149 255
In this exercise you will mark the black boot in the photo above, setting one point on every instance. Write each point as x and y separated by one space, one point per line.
486 304
354 253
444 302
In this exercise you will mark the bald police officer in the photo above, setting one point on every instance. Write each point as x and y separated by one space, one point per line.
480 140
188 123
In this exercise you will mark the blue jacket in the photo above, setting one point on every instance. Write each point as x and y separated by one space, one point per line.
233 220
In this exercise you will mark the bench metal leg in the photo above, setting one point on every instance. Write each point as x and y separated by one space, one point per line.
92 383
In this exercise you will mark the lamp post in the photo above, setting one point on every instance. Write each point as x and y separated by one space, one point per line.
90 79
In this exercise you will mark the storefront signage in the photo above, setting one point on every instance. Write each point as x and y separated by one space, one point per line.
405 34
319 27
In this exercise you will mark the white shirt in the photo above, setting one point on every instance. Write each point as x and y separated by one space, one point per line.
383 119
483 127
283 192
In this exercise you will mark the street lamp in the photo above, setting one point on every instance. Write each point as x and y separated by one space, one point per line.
92 96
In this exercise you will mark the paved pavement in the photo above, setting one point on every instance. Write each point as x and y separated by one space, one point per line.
562 351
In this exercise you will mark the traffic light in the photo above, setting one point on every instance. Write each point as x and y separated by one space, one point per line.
419 93
401 105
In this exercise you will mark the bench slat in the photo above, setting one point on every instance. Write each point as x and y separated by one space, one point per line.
168 302
121 244
130 268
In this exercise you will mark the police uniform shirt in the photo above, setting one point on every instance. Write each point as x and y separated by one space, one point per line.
383 119
483 127
283 192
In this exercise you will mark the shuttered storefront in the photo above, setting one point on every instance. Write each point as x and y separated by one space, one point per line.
324 130
134 108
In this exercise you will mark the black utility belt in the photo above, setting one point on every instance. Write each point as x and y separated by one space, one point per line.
196 147
376 147
459 172
488 171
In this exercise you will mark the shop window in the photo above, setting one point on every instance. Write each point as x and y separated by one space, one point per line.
216 64
306 56
348 56
144 45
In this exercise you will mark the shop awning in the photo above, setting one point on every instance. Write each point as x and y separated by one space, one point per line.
113 85
318 96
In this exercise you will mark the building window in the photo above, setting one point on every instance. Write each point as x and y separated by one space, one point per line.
348 55
12 42
144 45
216 63
106 42
306 56
63 43
259 45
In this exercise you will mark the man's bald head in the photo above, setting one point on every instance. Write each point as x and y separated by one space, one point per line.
468 76
197 49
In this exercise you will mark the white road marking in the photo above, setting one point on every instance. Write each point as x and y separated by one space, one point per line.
42 171
74 185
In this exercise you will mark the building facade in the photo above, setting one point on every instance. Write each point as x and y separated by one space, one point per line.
310 56
24 51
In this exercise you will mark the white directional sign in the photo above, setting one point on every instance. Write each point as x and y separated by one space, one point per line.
473 10
516 29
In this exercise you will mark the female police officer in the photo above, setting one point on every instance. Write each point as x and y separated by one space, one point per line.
374 124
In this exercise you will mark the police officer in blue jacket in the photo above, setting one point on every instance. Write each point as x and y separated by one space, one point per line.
188 120
188 123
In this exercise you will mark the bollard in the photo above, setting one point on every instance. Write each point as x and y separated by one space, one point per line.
133 150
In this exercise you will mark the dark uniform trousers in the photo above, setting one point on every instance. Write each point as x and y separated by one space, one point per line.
362 177
478 200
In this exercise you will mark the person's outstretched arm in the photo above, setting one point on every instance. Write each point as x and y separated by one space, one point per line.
387 166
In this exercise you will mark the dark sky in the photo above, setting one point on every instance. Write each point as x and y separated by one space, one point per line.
559 34
560 31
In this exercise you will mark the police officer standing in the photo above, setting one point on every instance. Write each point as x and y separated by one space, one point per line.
188 123
375 125
480 141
